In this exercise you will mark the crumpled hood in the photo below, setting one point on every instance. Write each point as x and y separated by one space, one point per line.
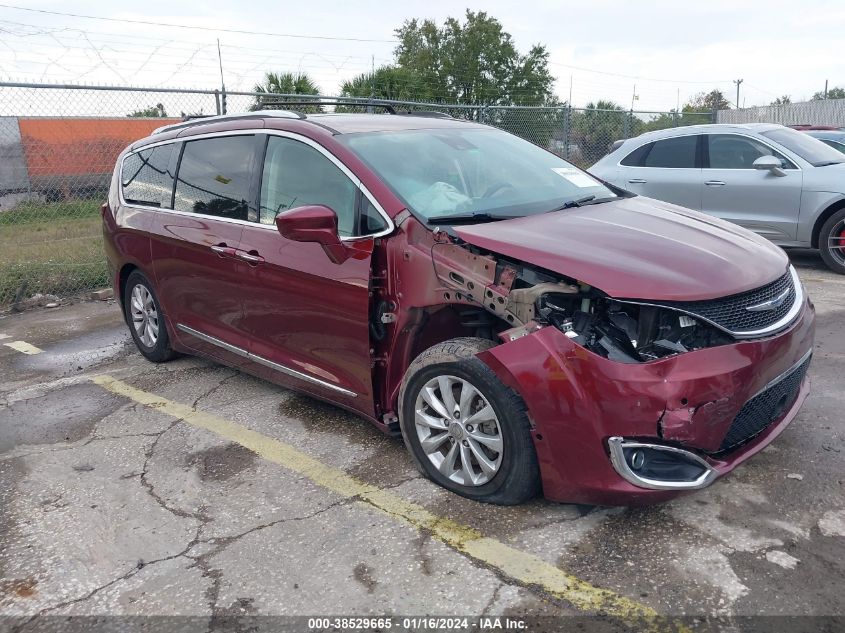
637 248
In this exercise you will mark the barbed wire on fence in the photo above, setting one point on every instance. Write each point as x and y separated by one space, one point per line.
59 143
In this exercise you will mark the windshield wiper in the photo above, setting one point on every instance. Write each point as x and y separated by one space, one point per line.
580 202
481 216
575 203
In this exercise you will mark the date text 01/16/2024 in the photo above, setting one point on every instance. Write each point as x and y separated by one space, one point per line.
484 623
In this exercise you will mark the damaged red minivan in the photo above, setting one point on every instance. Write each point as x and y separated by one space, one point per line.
523 326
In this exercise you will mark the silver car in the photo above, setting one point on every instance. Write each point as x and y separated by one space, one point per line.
785 185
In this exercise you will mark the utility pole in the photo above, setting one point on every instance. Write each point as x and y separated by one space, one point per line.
372 83
737 82
825 88
222 83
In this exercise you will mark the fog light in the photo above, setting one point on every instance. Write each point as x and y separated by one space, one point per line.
659 467
636 458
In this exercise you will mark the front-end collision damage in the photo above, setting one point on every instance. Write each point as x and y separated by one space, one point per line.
588 366
687 423
528 299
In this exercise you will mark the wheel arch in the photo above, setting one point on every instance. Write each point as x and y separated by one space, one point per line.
122 277
823 217
427 327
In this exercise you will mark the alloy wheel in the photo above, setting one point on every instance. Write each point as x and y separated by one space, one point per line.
836 242
458 430
144 315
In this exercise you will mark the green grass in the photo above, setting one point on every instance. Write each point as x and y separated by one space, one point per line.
51 248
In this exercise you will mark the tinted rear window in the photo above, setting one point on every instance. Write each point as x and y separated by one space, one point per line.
637 157
146 178
214 176
677 153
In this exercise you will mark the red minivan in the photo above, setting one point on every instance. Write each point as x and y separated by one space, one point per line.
522 325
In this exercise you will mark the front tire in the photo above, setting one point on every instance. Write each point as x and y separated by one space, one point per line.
464 428
145 319
832 242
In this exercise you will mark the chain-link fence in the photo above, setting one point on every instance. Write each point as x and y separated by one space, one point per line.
820 112
58 145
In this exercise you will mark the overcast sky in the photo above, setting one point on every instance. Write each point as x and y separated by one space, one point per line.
669 50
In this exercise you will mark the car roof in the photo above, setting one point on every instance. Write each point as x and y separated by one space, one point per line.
334 123
356 123
708 128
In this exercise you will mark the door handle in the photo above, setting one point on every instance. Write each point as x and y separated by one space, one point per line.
224 251
251 258
715 183
637 181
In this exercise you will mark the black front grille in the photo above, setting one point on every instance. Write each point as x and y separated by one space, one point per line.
731 313
763 409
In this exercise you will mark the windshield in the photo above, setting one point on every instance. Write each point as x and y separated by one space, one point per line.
473 171
810 149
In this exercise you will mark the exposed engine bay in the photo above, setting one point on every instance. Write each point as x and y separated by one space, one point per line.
625 332
529 298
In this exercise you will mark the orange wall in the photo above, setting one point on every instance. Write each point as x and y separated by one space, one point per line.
79 147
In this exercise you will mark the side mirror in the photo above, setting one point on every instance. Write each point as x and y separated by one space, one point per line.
770 163
313 223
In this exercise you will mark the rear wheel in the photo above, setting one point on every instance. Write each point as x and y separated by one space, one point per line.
832 242
145 319
466 430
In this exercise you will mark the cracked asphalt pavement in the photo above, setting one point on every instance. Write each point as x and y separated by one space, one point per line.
110 506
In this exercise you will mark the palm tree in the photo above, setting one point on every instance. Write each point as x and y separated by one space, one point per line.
285 84
388 82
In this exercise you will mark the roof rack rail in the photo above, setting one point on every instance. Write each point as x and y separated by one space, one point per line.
197 119
357 103
433 114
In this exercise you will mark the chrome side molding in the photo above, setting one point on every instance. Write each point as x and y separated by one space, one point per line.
263 361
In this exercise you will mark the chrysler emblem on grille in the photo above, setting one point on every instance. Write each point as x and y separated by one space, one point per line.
771 304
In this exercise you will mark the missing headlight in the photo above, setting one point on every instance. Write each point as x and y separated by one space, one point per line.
624 332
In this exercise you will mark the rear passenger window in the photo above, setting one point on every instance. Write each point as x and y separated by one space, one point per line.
214 176
146 178
677 153
637 157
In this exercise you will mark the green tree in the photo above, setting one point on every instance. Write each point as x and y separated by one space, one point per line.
285 84
387 82
154 112
662 121
833 93
596 127
540 126
707 101
784 100
474 62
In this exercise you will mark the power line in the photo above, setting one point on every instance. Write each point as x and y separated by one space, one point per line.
612 74
198 28
126 39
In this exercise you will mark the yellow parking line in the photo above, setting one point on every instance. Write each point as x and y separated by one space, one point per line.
23 347
525 568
